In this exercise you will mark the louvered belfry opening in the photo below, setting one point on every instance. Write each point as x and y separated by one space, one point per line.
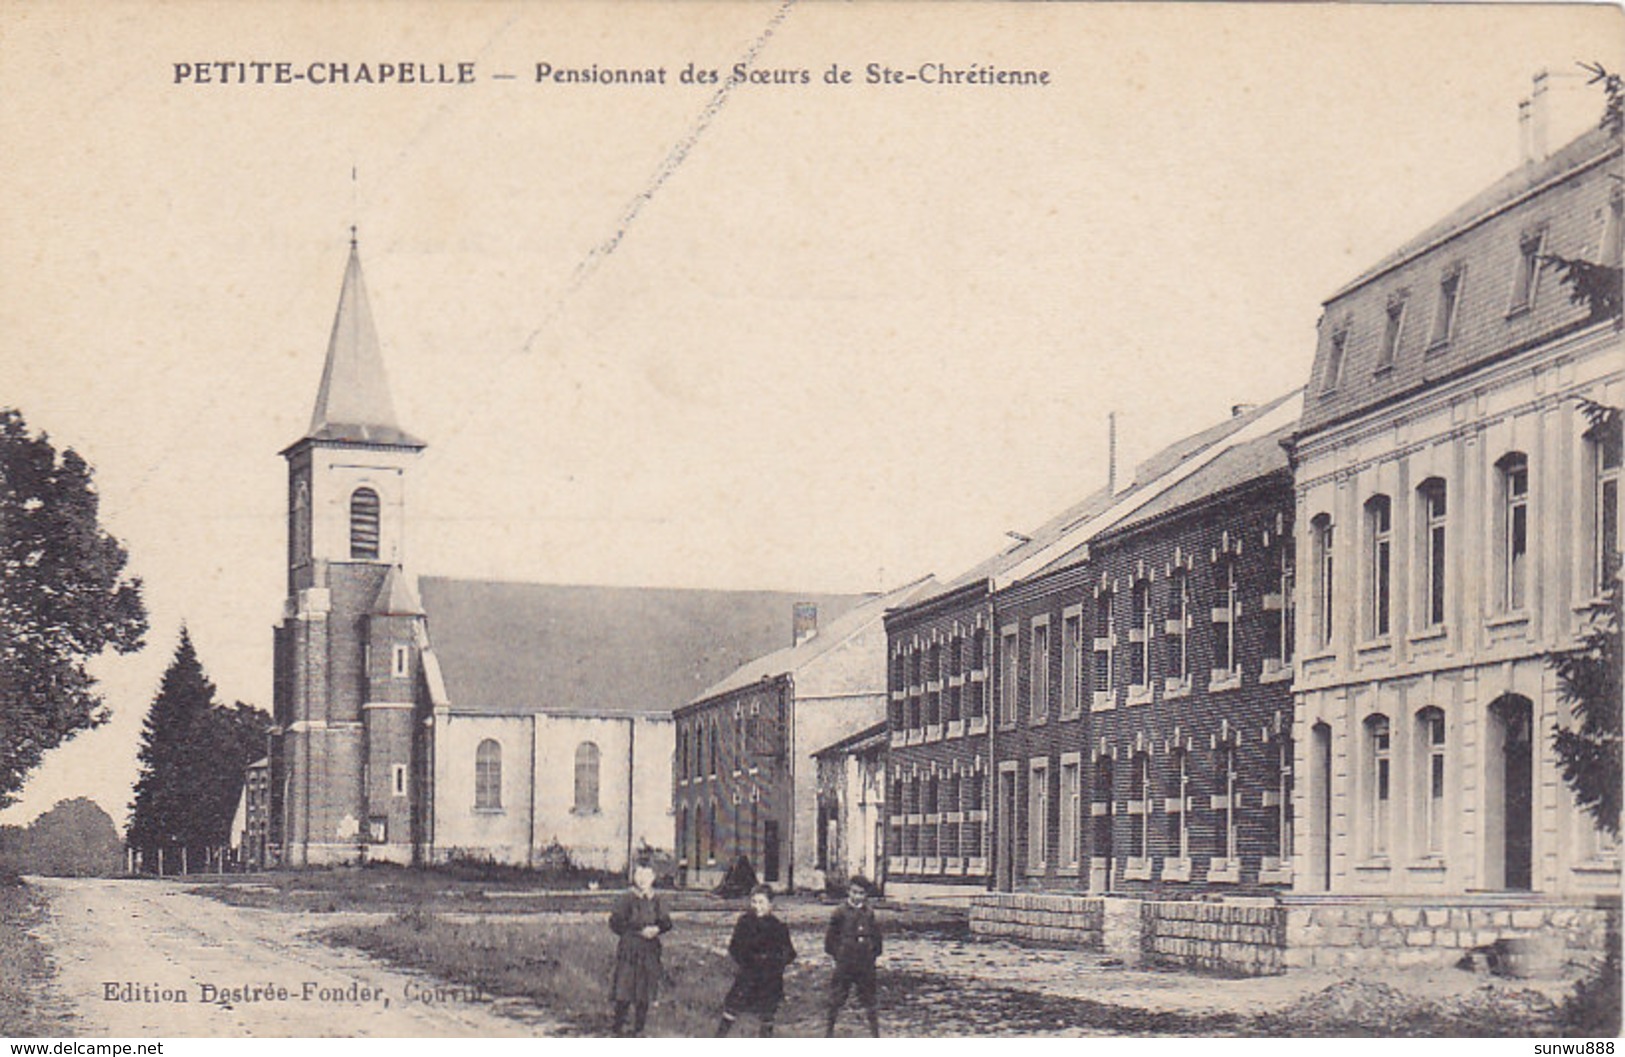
364 524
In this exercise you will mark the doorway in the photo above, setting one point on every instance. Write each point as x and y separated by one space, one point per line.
1007 831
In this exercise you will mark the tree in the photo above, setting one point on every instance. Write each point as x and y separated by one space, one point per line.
63 599
76 838
193 752
1599 285
1588 681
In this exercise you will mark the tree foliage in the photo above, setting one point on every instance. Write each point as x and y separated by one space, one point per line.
1588 680
76 838
192 755
63 599
1599 285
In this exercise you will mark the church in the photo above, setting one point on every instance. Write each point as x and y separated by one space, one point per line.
425 719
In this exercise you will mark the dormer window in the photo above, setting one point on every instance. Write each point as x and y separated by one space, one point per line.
364 511
1527 280
1392 331
1334 360
1444 320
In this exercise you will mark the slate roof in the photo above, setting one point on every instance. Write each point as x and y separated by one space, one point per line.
868 738
1232 469
1566 195
831 634
353 402
520 648
1147 473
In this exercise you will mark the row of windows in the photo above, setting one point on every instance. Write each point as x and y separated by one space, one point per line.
957 703
917 667
1397 319
702 745
1170 618
1510 531
488 777
1168 787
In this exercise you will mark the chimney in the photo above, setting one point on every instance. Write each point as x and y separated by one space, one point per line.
1534 121
1111 453
1540 118
1237 410
804 622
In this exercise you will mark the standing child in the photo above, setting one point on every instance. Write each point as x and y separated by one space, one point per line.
853 940
639 917
761 948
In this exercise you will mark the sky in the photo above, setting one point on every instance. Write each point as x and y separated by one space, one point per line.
805 337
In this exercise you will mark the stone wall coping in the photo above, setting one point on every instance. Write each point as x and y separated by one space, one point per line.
1602 900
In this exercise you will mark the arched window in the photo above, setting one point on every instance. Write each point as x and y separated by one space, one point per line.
1378 782
586 778
1320 534
364 524
1430 742
682 833
1379 529
488 776
1513 538
1603 441
1431 501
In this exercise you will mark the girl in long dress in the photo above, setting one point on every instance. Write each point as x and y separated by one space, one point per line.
639 918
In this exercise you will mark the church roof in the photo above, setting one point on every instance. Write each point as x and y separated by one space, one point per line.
833 633
519 648
353 402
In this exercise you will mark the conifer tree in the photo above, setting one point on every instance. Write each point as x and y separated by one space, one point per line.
193 752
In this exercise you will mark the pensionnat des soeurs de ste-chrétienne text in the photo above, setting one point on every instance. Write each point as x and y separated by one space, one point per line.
231 72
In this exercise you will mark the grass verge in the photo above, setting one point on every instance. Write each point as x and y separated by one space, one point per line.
25 968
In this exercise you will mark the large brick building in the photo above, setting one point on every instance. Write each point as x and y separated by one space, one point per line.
991 717
746 779
420 719
1457 513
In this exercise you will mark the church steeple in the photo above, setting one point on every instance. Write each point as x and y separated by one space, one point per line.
353 403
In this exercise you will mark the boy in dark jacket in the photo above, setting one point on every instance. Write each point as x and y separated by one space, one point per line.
761 948
853 940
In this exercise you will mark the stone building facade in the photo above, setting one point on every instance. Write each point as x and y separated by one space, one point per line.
1457 514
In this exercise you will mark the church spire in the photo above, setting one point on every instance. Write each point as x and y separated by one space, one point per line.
353 403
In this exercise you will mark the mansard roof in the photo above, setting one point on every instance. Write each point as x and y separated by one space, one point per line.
831 635
1559 205
508 648
353 402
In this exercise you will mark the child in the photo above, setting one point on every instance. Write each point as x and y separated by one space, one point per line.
639 918
853 940
761 948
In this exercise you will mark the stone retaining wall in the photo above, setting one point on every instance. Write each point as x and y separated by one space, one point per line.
1328 932
1242 938
1258 937
1056 920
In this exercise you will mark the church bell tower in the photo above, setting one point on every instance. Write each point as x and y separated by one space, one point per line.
347 650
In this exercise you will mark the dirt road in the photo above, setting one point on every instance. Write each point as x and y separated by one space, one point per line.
143 958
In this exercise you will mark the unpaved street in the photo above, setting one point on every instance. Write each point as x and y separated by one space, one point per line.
144 958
